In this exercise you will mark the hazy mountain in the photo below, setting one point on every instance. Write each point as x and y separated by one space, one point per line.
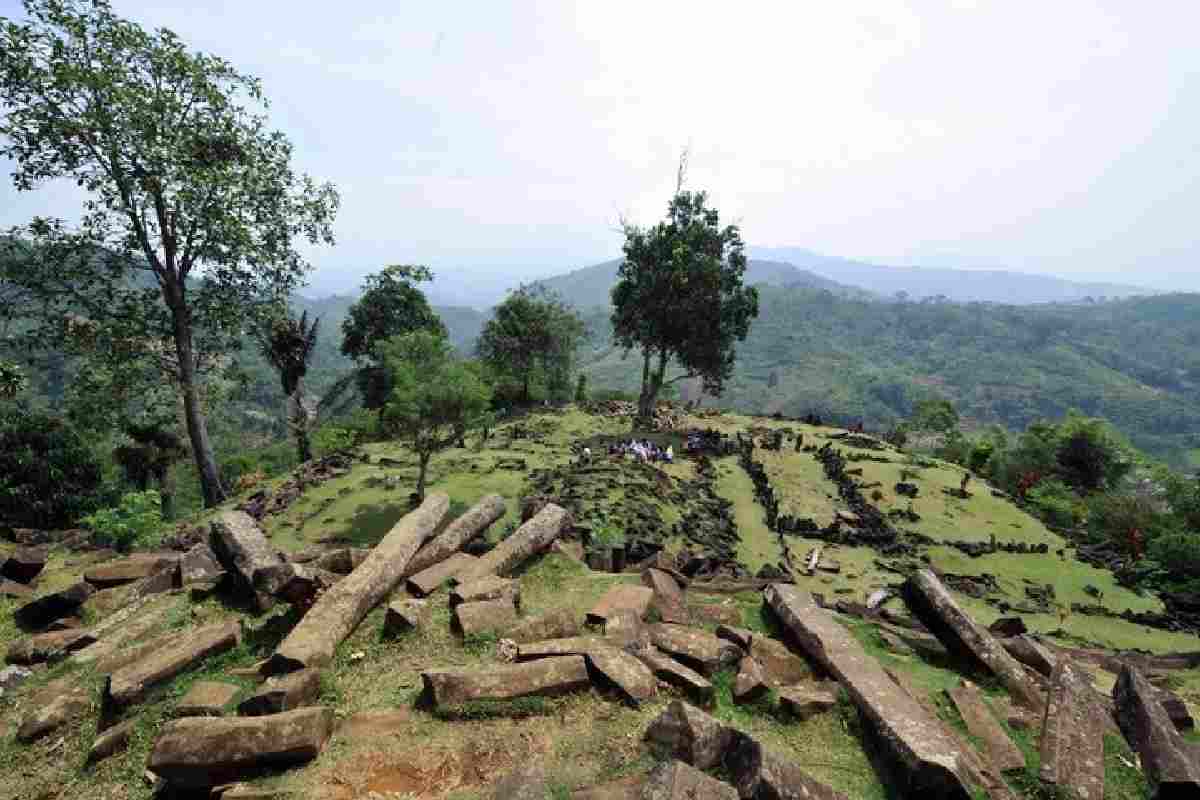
959 285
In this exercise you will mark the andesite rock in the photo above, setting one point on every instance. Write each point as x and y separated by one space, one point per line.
296 584
14 590
48 646
1031 653
204 751
129 569
342 561
1072 744
41 611
691 735
780 666
631 676
1008 626
52 707
130 684
695 647
675 780
486 616
546 676
206 699
560 623
457 534
670 671
804 700
403 616
750 683
199 570
487 588
761 774
24 564
668 596
430 579
742 637
1002 753
1171 765
570 646
339 610
111 741
242 549
627 788
283 693
623 596
528 540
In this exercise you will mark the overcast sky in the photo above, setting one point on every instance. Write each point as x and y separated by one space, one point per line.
506 139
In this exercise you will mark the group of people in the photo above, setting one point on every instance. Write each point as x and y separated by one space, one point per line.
643 450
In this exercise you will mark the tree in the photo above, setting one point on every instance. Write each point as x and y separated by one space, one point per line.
935 414
581 394
532 334
193 203
12 382
154 450
679 297
390 305
288 345
49 477
435 398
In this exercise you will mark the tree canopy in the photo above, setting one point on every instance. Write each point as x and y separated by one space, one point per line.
680 297
193 205
532 335
390 305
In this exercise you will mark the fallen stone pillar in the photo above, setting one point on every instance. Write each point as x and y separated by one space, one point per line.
428 580
457 534
1170 763
531 538
695 647
760 774
486 616
130 684
557 624
336 614
48 646
546 676
1002 753
487 588
1072 743
675 780
283 693
622 596
668 595
671 671
242 549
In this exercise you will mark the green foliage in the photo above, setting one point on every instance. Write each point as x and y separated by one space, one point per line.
1179 552
136 522
333 439
13 381
679 297
1054 502
581 394
48 475
390 305
934 414
435 397
288 345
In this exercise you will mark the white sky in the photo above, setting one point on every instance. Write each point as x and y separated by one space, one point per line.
507 138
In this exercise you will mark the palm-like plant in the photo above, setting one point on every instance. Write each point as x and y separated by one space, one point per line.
288 345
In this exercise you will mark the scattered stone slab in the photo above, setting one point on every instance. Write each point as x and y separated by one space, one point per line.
13 676
750 684
668 596
930 601
41 611
780 666
199 570
130 684
1072 746
742 637
403 616
486 616
631 676
807 700
931 760
128 570
489 587
999 749
1005 627
528 540
54 706
1177 710
111 741
48 646
760 773
695 647
546 676
283 693
675 780
337 613
206 699
242 549
622 596
691 735
670 671
627 788
427 581
1169 762
295 584
457 534
196 752
165 580
526 782
368 726
342 561
716 613
14 590
548 648
1031 653
625 629
560 623
24 564
248 791
829 565
118 630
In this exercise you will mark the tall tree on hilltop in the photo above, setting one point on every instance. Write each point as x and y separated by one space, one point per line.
193 205
288 345
391 305
680 298
532 333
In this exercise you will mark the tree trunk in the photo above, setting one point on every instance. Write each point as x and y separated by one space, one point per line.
648 396
202 452
424 464
299 420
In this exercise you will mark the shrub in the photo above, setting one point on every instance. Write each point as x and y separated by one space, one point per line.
1123 519
136 522
48 475
332 439
1178 552
1056 504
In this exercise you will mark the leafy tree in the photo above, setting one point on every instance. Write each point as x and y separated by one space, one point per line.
935 414
288 344
48 475
435 398
193 203
136 521
150 458
12 381
679 297
581 394
532 333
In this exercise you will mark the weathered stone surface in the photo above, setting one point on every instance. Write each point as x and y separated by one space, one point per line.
750 684
691 735
763 775
780 666
526 782
111 741
930 760
930 601
403 616
332 618
739 636
199 570
560 623
457 534
242 549
164 580
625 672
718 613
805 700
622 596
999 749
627 788
283 693
128 570
572 550
570 646
668 596
1170 764
1031 653
489 587
24 564
131 683
204 751
14 590
206 699
48 646
1072 744
829 565
428 580
249 791
675 780
116 631
486 616
296 584
546 676
695 647
1177 710
1005 627
670 671
625 629
369 726
41 611
528 540
342 561
51 708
